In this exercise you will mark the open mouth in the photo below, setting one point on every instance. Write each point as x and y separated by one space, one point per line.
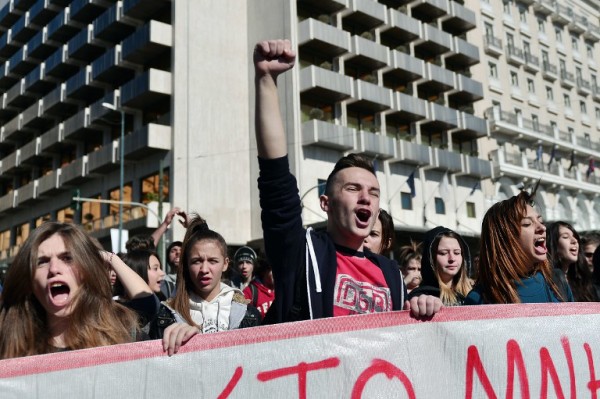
59 292
363 215
540 245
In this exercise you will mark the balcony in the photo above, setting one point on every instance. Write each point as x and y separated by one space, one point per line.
85 11
324 85
409 108
148 42
405 69
147 141
562 14
583 87
84 47
80 87
434 42
578 24
441 117
470 127
446 160
16 96
58 64
73 173
400 29
493 46
20 64
477 167
38 47
40 13
549 71
567 80
436 81
366 54
51 140
61 28
514 55
328 135
10 163
143 9
466 90
104 159
48 184
7 201
78 127
55 102
26 193
22 30
413 153
31 152
371 97
592 33
34 118
8 14
366 14
460 21
323 39
429 10
111 26
376 144
532 63
544 7
465 55
147 89
108 68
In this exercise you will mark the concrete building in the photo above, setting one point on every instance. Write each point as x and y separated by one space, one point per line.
388 79
539 70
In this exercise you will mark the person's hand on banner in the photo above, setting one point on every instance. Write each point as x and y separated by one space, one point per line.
423 306
176 335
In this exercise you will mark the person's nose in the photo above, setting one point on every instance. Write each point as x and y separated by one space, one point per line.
54 266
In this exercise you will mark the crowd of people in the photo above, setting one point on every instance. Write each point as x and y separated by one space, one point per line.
63 291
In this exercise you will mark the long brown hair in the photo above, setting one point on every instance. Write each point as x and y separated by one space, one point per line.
96 320
197 231
502 261
461 284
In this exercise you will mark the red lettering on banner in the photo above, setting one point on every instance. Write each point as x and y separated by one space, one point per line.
301 369
474 364
594 384
515 356
237 375
547 366
381 367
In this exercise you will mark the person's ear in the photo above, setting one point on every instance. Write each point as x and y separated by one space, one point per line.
226 264
324 201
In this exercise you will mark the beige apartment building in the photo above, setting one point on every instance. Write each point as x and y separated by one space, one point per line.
539 68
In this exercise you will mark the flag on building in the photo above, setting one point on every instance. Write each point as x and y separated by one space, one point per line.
591 168
411 185
444 187
476 187
552 155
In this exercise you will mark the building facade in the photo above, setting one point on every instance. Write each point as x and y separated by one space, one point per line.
539 70
431 90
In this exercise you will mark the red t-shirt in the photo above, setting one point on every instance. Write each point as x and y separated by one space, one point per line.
360 287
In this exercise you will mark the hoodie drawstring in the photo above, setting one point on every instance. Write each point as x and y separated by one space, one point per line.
311 257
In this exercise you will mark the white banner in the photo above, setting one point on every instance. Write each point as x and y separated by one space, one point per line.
510 351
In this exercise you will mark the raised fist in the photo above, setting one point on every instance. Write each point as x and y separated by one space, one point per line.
273 57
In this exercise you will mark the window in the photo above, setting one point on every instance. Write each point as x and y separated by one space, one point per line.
151 188
526 49
578 74
574 43
114 196
510 40
563 66
541 20
523 14
493 70
21 233
406 199
598 113
567 100
91 211
530 86
558 33
589 48
489 30
545 57
506 5
65 215
5 240
535 123
471 210
583 107
514 78
321 186
440 206
549 93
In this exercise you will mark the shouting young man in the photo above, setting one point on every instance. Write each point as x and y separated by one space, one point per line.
319 274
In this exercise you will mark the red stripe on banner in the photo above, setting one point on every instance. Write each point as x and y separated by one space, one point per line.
143 350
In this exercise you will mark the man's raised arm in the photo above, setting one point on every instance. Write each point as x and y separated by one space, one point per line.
271 58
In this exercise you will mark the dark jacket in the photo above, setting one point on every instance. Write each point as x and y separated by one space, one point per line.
429 284
286 248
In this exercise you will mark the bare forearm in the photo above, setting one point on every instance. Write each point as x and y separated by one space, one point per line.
270 134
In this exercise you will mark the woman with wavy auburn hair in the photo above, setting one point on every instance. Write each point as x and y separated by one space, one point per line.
57 295
513 265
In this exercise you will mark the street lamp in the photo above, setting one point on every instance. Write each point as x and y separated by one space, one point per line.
113 107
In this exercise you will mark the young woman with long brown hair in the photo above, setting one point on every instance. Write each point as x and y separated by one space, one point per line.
58 295
513 264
